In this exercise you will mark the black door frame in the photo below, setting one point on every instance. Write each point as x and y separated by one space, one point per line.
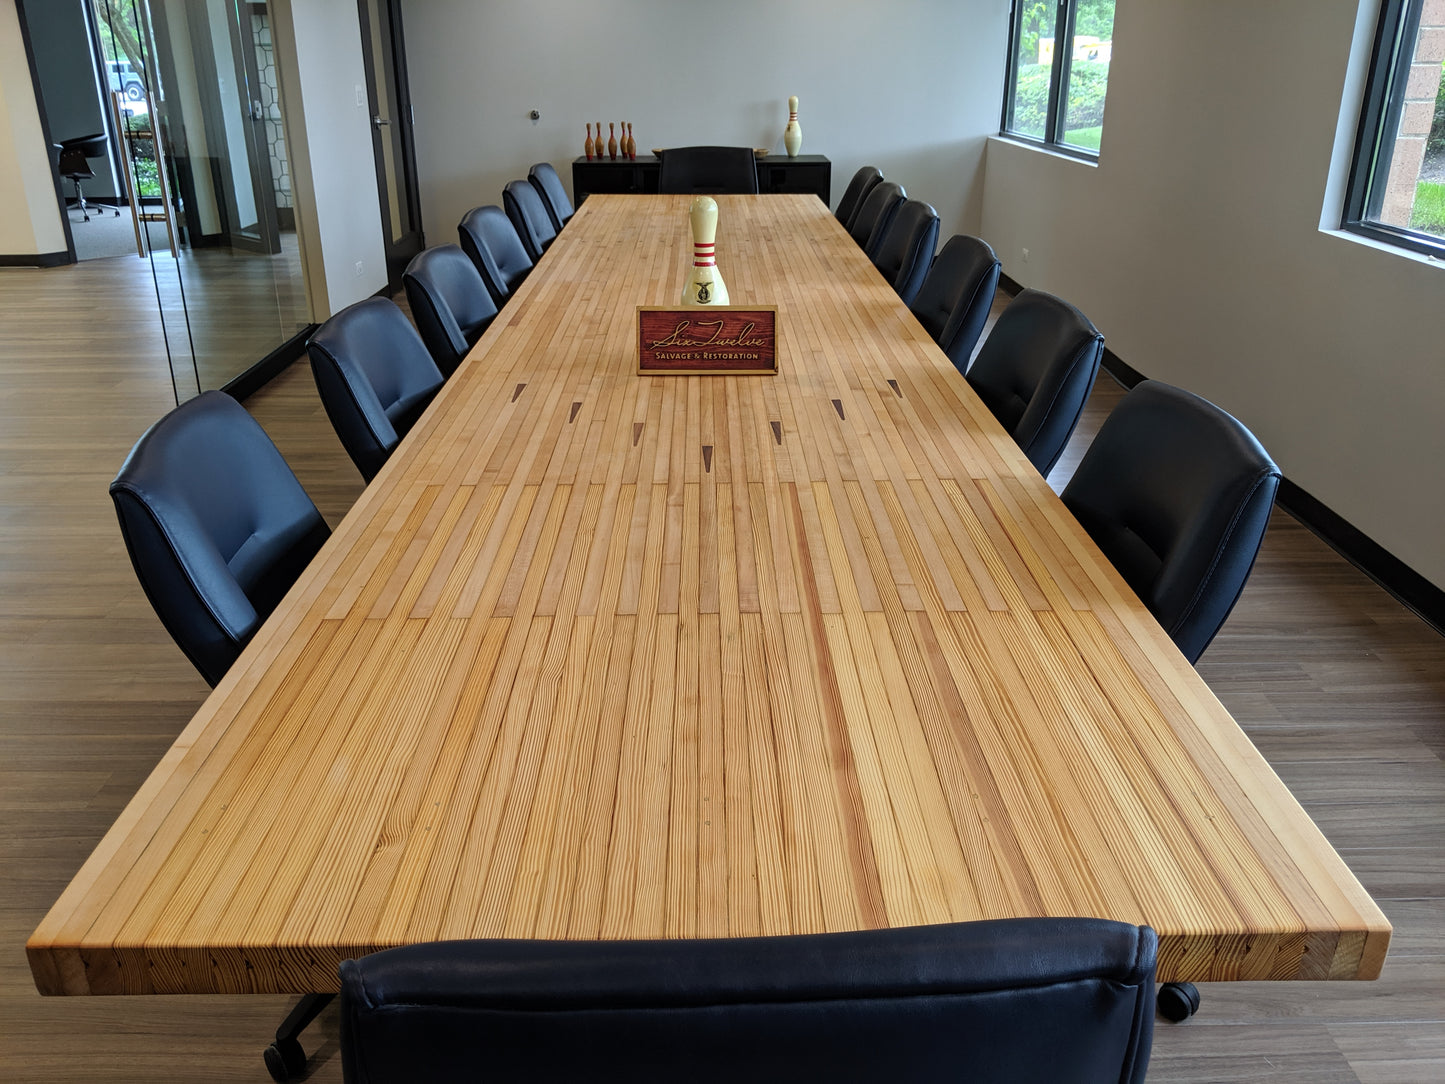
398 254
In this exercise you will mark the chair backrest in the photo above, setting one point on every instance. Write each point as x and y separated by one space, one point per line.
1063 1000
954 301
554 197
489 238
1177 494
216 525
450 303
1035 371
859 187
708 170
375 378
875 213
906 249
74 154
529 215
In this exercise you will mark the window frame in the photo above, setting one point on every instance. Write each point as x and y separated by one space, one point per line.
1398 23
1064 12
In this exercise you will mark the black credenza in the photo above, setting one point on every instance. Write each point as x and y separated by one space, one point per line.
807 173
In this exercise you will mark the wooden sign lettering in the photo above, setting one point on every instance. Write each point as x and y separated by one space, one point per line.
720 340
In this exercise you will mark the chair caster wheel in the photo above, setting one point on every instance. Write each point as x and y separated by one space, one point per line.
1178 1001
285 1060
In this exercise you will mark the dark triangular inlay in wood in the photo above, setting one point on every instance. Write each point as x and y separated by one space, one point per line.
573 416
896 389
838 406
777 432
707 458
636 433
517 392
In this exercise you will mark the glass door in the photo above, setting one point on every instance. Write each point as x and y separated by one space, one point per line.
194 84
391 132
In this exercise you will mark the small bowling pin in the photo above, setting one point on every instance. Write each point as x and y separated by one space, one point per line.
793 133
611 139
704 285
588 147
631 143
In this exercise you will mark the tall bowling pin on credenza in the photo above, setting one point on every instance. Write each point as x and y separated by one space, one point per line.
793 133
587 147
612 139
704 285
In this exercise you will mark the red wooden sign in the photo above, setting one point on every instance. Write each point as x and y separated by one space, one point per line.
710 340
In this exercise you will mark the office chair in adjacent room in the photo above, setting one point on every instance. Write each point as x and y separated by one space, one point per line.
549 186
957 293
530 216
906 249
853 196
875 214
1066 1000
489 238
216 525
1177 494
1035 371
74 166
708 171
375 378
450 303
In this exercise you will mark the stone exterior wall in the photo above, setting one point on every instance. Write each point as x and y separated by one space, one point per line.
1421 87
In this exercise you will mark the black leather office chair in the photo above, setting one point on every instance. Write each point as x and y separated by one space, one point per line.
708 171
875 214
858 188
1035 371
216 525
906 249
1062 1000
529 215
449 302
73 164
1177 494
489 238
554 197
954 301
375 378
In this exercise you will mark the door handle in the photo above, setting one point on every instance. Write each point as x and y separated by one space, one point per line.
379 121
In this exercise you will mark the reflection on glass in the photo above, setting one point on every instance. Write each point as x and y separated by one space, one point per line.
1029 109
1088 74
205 127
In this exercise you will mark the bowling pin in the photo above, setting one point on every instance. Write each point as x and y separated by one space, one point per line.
631 143
704 285
588 145
611 139
793 133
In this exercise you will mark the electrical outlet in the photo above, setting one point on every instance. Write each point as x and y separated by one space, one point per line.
356 268
360 96
1026 255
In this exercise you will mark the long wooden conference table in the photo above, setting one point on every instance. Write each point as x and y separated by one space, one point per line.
601 655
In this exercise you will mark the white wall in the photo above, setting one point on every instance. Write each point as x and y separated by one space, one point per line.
912 86
31 223
1196 248
338 209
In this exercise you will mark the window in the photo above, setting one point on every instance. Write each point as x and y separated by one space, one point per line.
1397 184
1056 95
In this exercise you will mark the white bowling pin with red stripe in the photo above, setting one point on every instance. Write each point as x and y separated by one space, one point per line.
793 133
704 285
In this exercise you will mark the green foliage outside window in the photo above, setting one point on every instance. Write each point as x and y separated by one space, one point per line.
1088 85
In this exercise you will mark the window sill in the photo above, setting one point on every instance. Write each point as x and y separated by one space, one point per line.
1378 245
1043 148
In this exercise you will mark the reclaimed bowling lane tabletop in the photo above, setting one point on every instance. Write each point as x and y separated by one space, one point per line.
601 655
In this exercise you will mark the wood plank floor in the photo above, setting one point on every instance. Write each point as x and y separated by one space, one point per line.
1341 688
